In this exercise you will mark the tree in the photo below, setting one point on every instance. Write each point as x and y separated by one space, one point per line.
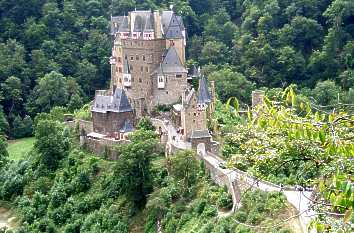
3 152
184 168
4 125
28 126
214 52
86 75
49 92
12 89
232 84
51 143
132 170
145 124
12 59
326 92
18 128
75 102
303 33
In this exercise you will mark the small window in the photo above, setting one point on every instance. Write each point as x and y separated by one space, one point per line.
167 92
125 57
132 58
143 57
137 57
140 80
178 76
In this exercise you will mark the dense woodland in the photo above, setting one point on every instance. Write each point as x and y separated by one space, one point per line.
55 53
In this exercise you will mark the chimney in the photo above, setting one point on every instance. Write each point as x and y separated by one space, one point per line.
257 98
157 21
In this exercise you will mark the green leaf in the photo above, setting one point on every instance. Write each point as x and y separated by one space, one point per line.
322 136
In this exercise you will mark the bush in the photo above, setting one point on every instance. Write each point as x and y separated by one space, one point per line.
210 211
224 201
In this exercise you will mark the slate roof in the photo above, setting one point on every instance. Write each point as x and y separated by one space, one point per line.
117 103
172 25
149 25
118 20
200 134
203 92
126 67
171 62
193 72
127 127
124 26
138 24
174 29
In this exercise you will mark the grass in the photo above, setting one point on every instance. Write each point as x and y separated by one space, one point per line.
19 148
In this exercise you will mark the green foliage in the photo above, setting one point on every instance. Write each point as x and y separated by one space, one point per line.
145 124
3 152
184 168
232 84
132 171
290 143
51 143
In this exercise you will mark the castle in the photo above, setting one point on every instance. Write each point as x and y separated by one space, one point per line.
147 70
148 58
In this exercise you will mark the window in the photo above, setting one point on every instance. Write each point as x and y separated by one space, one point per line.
143 57
167 92
120 69
125 57
131 67
141 69
160 79
147 69
119 59
140 80
131 58
178 76
137 57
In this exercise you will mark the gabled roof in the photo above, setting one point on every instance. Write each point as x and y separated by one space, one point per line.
127 127
138 24
124 26
203 92
200 134
107 103
171 62
126 67
174 29
149 25
165 20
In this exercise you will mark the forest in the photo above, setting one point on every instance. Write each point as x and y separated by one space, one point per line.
54 54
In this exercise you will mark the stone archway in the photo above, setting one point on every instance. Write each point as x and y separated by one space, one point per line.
201 149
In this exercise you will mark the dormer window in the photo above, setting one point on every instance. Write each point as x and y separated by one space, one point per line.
160 81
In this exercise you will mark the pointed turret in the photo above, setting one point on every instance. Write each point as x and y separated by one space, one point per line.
204 97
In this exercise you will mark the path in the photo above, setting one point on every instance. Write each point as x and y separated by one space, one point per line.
299 199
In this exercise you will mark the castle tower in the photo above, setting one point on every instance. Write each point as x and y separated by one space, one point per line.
152 46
